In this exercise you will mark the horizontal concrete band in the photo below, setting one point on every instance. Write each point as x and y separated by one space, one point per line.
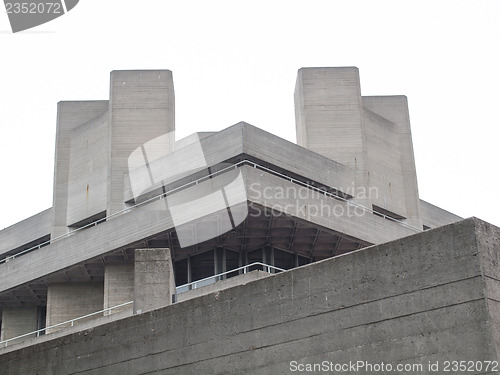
123 230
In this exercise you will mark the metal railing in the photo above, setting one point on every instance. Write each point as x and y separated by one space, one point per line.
212 279
209 176
72 322
189 286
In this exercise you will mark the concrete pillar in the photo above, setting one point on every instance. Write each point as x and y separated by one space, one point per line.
328 112
154 282
66 301
118 286
329 117
141 108
17 321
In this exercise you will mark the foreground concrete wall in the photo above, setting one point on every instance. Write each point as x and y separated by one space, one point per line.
67 301
428 297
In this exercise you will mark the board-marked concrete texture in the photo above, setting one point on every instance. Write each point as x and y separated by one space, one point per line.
427 297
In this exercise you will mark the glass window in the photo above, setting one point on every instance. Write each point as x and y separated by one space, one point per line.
202 265
181 272
284 259
232 262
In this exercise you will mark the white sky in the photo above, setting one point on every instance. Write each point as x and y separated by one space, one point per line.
237 61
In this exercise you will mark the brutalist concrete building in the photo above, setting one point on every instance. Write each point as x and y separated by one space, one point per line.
239 252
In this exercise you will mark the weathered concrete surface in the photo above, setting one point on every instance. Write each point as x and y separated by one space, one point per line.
25 231
141 108
391 163
118 286
69 116
428 297
66 301
433 216
17 321
88 170
80 326
154 218
154 282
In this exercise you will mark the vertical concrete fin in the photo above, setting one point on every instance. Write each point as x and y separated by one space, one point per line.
328 113
329 116
69 116
390 155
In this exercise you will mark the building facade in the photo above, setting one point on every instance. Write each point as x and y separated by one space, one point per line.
219 201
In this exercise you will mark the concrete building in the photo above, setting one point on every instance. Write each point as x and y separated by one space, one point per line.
165 234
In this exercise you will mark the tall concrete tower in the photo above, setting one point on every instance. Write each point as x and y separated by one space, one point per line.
371 135
95 139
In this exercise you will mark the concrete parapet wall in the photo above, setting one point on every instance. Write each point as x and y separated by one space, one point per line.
427 297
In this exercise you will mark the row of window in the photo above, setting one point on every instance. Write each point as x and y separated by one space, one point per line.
221 260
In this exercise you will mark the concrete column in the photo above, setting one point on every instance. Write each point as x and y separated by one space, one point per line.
141 108
17 321
118 286
154 282
67 301
329 117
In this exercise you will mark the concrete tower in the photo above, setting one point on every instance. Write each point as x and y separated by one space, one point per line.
371 135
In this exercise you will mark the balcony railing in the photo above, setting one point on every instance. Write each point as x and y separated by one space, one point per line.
222 276
197 181
71 322
180 289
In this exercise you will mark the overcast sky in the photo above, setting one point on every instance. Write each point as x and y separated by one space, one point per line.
237 61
